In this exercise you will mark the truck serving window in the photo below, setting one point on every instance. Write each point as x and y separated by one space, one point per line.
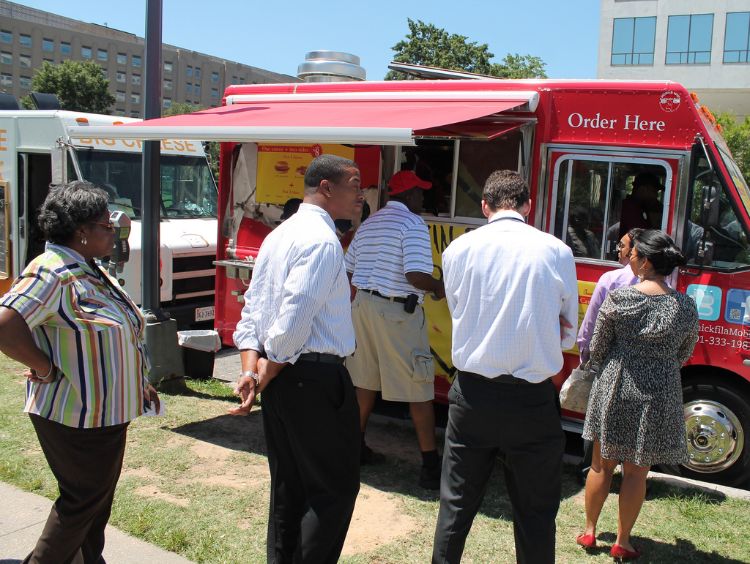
599 199
187 188
729 236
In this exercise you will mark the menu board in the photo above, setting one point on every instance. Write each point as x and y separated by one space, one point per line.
4 230
281 169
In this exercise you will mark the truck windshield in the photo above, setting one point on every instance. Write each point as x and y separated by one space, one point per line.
187 187
737 178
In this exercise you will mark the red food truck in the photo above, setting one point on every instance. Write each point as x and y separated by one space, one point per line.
578 143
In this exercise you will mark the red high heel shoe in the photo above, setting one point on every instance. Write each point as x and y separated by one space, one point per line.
586 541
620 553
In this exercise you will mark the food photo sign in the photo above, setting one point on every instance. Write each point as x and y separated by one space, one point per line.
281 169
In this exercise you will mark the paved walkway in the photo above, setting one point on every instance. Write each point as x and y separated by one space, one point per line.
23 516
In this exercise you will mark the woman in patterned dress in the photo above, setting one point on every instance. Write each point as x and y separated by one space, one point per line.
643 335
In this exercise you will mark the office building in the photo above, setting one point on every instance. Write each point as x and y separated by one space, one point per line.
28 37
703 45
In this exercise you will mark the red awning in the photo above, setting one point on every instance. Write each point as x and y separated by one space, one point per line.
294 120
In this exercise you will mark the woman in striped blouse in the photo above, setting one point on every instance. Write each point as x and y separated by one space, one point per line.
82 338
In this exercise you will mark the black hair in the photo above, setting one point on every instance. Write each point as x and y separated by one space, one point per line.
69 206
505 189
660 249
326 167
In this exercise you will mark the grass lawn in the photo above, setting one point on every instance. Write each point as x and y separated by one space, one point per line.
196 482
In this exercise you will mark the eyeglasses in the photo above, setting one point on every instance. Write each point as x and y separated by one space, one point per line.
108 226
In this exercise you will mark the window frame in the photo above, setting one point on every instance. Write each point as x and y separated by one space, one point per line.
566 156
632 53
687 53
747 42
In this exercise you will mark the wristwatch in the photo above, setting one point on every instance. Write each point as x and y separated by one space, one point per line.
251 374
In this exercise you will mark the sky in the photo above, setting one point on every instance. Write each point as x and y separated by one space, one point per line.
276 35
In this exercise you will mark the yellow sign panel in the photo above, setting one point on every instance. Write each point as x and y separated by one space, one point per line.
281 169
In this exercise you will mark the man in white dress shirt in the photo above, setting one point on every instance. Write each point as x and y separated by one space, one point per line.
512 294
390 264
295 331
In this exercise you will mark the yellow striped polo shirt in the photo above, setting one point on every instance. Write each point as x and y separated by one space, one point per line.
93 333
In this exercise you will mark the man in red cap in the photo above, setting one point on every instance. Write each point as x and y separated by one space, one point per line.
390 263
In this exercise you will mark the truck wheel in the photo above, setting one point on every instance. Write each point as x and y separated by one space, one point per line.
717 423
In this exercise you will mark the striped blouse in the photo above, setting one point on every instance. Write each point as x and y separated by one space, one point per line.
93 333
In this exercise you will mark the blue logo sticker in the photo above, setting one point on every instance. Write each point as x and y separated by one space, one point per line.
708 300
738 306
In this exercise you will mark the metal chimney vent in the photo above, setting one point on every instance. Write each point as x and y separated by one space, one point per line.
330 66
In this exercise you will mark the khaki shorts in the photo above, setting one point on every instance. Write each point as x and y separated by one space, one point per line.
393 354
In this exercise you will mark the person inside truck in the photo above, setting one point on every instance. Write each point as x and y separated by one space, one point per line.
643 208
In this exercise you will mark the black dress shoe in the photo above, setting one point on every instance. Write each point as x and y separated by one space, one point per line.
368 457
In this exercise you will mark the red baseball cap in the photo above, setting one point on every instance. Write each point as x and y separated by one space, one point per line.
406 180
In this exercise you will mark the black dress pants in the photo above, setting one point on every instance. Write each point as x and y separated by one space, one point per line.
519 422
311 423
87 465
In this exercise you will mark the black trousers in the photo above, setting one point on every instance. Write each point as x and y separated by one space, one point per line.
87 465
521 424
311 422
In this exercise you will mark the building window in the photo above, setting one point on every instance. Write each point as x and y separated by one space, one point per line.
120 111
24 82
134 114
633 41
197 72
189 71
6 36
135 80
214 93
214 77
122 58
189 88
197 89
135 98
6 79
6 58
102 54
136 60
24 40
24 61
121 76
120 96
50 61
167 66
48 45
167 102
65 48
737 37
86 52
167 84
689 39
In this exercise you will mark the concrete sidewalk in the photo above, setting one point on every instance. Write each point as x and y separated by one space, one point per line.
23 516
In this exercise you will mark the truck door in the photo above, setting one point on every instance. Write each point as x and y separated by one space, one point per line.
34 177
595 197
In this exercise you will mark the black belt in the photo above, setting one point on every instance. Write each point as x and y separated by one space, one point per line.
378 294
502 379
321 357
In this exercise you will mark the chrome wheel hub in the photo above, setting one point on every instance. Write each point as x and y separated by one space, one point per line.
714 436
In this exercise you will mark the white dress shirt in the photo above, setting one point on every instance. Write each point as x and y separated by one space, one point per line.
390 243
506 284
298 299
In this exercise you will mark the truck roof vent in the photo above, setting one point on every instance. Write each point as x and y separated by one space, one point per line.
330 66
45 101
8 102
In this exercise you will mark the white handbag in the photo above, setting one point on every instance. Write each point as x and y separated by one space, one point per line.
574 394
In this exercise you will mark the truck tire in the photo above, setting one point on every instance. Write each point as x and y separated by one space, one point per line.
717 426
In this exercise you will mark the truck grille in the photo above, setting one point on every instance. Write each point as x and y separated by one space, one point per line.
194 277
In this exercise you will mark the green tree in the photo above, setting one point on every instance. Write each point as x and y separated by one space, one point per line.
432 46
179 108
737 135
80 86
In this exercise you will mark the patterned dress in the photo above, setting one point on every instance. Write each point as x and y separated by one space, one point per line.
635 407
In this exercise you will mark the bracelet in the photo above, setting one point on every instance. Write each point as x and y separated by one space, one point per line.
252 375
50 373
